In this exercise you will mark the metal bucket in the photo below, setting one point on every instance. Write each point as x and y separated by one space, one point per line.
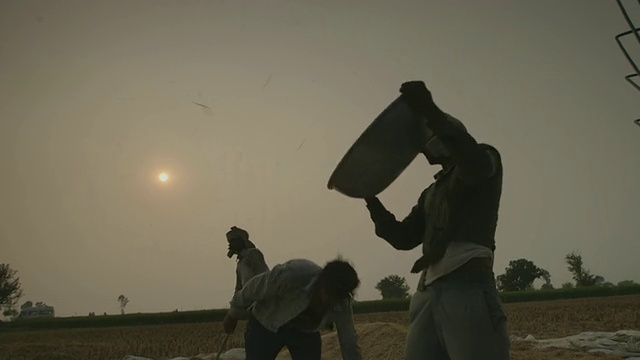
383 151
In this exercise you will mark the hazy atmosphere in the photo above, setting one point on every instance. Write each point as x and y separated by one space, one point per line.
248 106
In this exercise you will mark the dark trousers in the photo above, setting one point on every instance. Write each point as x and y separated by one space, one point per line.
458 317
263 344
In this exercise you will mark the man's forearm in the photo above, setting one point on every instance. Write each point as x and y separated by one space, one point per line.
380 216
347 335
402 235
437 121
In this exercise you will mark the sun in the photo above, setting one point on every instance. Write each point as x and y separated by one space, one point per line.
163 177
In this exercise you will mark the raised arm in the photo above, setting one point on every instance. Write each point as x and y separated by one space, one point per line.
474 161
402 235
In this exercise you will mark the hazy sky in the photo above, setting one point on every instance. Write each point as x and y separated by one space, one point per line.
96 99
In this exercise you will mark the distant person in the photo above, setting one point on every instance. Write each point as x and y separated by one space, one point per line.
249 259
456 312
289 306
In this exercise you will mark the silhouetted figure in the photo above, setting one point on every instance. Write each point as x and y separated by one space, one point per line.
290 305
456 312
249 259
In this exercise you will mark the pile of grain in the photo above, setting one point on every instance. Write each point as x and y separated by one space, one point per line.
377 341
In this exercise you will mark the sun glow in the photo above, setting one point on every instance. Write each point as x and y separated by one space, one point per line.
163 177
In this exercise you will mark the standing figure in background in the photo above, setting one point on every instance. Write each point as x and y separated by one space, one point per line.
249 259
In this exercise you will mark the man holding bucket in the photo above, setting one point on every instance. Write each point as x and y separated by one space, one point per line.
456 312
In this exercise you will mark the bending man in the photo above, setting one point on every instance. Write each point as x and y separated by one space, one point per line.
291 303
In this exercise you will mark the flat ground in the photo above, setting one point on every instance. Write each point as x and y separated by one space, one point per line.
381 334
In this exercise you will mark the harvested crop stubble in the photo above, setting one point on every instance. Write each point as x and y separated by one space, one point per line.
558 318
543 319
153 341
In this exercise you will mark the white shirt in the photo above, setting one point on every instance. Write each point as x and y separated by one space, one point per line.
456 255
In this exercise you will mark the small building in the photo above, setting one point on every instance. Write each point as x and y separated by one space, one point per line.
36 312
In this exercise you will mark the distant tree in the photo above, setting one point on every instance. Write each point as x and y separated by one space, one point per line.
625 283
608 284
520 274
393 287
11 312
547 286
10 289
40 303
547 280
599 281
567 285
123 303
582 276
27 304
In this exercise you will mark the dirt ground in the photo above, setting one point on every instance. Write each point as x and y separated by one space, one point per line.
381 335
385 341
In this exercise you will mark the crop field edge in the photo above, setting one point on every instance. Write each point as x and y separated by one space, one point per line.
359 307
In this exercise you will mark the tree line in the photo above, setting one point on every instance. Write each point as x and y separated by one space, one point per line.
519 275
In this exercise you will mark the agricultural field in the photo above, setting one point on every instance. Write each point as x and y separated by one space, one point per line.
381 334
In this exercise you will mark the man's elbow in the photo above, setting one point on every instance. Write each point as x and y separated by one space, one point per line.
401 245
397 241
387 234
237 312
